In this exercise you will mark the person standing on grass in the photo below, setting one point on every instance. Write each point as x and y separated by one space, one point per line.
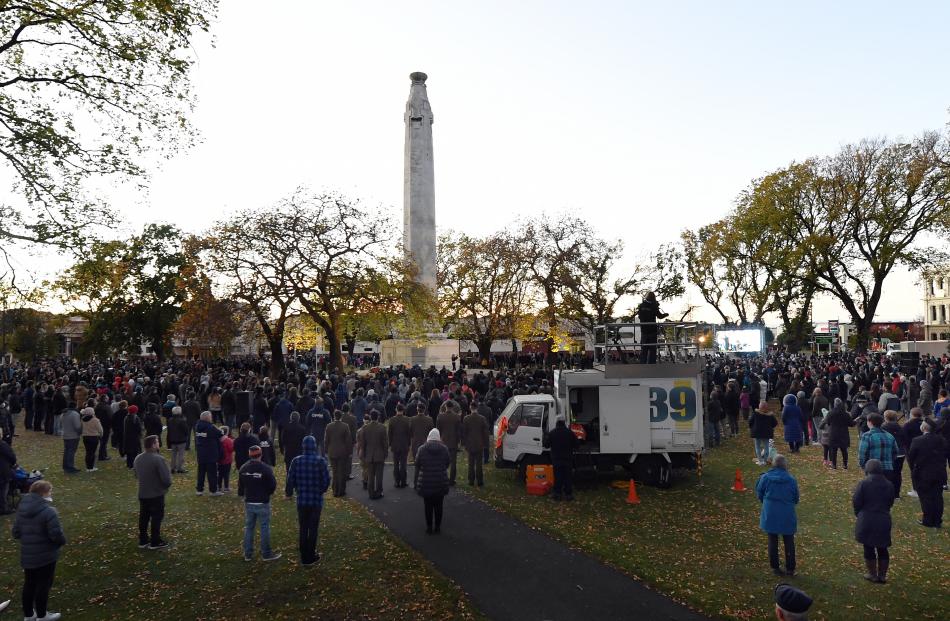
339 446
420 424
792 421
177 438
430 478
243 444
872 502
562 443
132 435
309 477
927 457
207 452
41 536
104 414
762 425
91 434
878 444
893 427
154 479
256 484
777 490
838 424
71 428
291 438
227 458
7 469
475 437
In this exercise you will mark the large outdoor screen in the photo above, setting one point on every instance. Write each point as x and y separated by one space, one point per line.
739 341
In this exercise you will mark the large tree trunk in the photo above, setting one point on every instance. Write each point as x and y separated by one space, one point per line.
276 357
484 351
333 344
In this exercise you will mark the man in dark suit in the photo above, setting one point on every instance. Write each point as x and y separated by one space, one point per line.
928 468
475 436
400 437
374 448
449 424
339 445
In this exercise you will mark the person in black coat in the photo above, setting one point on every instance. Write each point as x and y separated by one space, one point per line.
431 478
7 469
132 435
762 425
242 445
872 502
927 457
153 423
839 424
562 443
291 439
647 313
894 428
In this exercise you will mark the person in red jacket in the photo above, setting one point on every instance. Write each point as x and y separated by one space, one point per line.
227 458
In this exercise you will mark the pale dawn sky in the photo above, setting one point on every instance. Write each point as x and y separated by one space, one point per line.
643 117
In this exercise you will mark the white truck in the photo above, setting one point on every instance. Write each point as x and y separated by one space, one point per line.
933 348
647 418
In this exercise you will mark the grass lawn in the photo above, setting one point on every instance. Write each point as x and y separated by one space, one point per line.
365 573
700 543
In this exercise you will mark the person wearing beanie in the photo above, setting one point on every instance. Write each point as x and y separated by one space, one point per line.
91 432
562 442
872 502
132 435
777 490
256 484
309 477
791 604
431 478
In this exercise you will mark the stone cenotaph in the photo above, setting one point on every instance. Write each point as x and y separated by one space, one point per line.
419 237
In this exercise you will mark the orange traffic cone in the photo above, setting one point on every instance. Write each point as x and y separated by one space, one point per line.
738 486
632 497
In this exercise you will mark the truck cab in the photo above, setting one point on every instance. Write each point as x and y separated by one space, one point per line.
646 418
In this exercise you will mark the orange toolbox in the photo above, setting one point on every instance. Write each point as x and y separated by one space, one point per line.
539 479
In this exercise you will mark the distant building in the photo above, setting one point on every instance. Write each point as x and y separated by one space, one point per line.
937 308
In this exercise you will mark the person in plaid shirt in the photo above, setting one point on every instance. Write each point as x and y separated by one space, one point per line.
877 444
309 476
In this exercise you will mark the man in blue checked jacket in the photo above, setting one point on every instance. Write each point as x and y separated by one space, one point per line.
309 476
877 444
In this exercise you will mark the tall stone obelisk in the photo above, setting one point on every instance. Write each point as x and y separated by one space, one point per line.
419 183
419 241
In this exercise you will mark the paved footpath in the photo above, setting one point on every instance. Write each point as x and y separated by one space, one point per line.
510 571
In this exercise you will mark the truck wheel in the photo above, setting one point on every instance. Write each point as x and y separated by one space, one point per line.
653 470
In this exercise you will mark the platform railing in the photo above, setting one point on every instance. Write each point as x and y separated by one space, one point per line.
674 342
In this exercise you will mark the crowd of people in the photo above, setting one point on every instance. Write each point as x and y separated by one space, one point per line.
902 415
242 423
313 421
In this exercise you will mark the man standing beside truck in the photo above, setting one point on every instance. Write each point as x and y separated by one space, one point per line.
562 442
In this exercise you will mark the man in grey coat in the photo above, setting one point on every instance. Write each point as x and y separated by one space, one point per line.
154 479
72 431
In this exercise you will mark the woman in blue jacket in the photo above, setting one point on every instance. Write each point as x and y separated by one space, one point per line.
777 490
792 421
